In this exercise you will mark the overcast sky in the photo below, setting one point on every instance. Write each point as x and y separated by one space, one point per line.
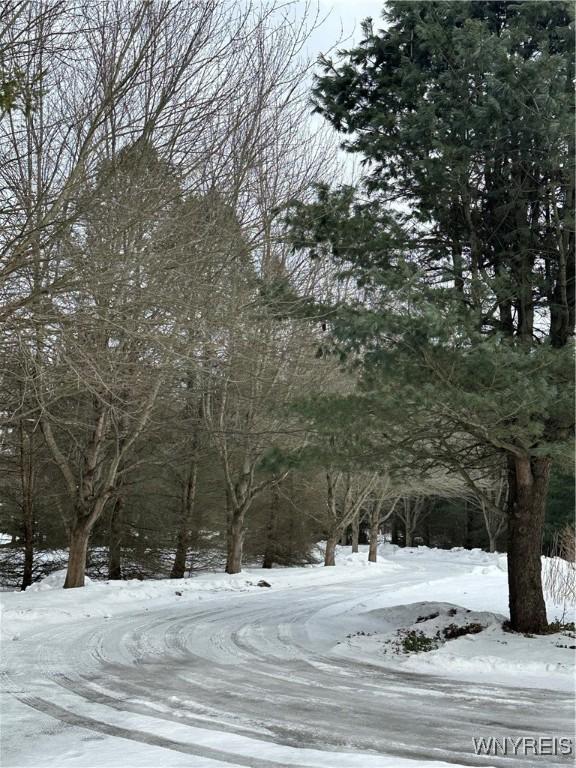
343 22
340 28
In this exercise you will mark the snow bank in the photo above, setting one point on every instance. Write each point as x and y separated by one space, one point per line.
507 659
423 637
46 602
53 581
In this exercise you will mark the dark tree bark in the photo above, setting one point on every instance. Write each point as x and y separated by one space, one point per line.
528 482
395 531
409 540
270 549
426 535
115 540
469 538
236 533
184 537
28 541
355 533
89 502
78 548
330 554
27 476
374 526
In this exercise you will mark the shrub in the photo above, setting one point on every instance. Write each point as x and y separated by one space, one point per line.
452 631
414 641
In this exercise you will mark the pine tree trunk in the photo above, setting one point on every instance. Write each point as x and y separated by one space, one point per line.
374 525
355 533
426 535
409 542
235 541
289 552
469 541
179 565
269 550
27 475
527 503
28 560
28 536
115 540
184 532
76 570
395 531
330 554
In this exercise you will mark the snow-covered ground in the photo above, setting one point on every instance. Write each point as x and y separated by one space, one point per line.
216 670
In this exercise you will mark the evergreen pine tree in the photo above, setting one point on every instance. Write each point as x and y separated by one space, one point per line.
462 244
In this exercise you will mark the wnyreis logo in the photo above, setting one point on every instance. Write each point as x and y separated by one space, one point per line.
556 746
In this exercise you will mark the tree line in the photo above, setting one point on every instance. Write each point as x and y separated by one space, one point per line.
205 334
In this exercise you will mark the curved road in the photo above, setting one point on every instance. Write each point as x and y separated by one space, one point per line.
208 679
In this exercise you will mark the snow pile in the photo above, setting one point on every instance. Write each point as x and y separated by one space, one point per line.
452 641
360 560
427 626
54 581
501 657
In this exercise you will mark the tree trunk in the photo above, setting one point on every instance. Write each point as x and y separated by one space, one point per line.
409 542
235 541
184 532
76 570
469 539
527 503
269 551
28 536
330 554
115 540
491 542
355 533
427 535
27 476
395 531
374 525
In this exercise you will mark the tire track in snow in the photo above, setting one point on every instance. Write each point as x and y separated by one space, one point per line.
258 667
82 721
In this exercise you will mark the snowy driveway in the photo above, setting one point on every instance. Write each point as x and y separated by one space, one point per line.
250 679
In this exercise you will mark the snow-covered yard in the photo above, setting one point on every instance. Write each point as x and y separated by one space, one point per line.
311 670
